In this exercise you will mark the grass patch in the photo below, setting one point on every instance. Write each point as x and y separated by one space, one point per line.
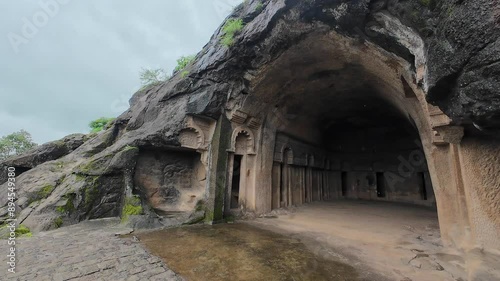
23 231
184 73
230 29
132 207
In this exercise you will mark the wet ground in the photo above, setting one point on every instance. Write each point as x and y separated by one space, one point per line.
89 251
241 252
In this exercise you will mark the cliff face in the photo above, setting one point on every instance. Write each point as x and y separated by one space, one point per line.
452 47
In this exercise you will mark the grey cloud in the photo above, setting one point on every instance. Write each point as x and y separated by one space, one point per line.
85 62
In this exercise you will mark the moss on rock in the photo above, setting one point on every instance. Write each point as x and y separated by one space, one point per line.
131 207
41 194
45 191
91 192
69 207
58 222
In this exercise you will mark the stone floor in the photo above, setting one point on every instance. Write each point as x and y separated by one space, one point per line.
88 251
399 241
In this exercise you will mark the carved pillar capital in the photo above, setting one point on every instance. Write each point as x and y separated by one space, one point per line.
445 135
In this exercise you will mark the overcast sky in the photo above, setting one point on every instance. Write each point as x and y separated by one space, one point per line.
68 62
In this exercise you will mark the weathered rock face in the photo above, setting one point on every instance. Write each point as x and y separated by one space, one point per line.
309 69
43 153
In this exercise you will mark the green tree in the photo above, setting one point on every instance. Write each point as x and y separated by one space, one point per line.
99 124
15 144
152 77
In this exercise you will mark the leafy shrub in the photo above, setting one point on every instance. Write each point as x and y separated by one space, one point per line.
230 29
183 62
99 124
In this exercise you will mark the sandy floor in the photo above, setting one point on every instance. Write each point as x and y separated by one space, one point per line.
396 241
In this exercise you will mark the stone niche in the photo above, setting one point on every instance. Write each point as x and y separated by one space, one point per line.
171 181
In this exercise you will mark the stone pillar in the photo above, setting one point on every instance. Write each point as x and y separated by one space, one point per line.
218 170
229 183
447 181
276 182
480 165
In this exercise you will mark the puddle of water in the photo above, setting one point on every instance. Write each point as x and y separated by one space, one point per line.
240 252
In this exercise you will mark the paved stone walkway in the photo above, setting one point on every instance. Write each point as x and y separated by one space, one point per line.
87 251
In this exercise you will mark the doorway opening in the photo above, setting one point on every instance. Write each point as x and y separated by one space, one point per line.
423 190
235 188
380 185
344 184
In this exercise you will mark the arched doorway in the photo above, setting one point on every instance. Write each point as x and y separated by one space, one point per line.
240 174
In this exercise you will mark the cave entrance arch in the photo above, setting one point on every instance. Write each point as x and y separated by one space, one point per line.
321 92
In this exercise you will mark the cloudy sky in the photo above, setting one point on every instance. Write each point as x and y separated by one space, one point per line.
64 63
